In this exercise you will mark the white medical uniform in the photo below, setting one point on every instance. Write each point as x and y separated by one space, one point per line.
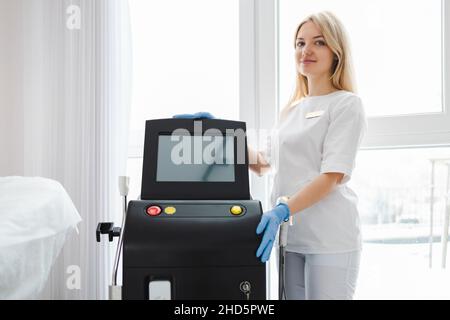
320 134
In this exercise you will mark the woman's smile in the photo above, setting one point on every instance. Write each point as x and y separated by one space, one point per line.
307 61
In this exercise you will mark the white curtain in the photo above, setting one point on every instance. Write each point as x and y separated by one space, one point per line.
65 80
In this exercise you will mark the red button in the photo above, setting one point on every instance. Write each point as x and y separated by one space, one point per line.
153 210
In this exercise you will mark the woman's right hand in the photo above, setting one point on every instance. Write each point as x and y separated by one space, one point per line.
197 115
257 163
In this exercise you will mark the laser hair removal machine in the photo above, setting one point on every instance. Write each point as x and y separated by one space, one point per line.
192 234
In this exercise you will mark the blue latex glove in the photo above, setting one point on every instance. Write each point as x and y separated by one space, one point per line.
197 115
269 223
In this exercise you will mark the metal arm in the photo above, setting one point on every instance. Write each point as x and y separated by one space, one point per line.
114 290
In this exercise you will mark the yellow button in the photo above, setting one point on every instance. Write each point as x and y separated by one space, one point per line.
170 210
236 210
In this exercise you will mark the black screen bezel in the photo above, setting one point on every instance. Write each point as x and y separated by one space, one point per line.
188 190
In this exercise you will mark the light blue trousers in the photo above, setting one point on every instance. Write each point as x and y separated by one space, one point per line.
321 276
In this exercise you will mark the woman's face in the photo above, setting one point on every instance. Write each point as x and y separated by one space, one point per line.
312 55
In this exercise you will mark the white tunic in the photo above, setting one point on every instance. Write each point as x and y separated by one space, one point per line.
320 134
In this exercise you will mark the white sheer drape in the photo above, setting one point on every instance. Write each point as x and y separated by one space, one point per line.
64 105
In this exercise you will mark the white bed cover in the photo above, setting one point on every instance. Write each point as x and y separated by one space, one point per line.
36 215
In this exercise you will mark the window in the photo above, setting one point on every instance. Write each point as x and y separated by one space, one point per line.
403 210
403 94
397 60
402 189
185 59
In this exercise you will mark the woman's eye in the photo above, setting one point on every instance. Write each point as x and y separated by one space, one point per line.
318 43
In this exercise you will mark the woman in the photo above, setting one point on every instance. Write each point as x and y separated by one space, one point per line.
319 133
313 156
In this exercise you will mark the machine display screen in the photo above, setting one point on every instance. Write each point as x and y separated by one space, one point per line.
183 158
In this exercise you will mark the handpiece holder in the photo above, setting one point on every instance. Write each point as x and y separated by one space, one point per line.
124 183
115 291
107 228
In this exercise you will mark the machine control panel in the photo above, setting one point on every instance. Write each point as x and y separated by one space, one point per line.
169 209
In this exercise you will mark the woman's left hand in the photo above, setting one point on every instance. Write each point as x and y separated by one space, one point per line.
269 223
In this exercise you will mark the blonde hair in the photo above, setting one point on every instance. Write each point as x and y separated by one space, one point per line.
336 38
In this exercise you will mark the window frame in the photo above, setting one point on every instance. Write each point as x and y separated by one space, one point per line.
259 89
413 130
417 130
